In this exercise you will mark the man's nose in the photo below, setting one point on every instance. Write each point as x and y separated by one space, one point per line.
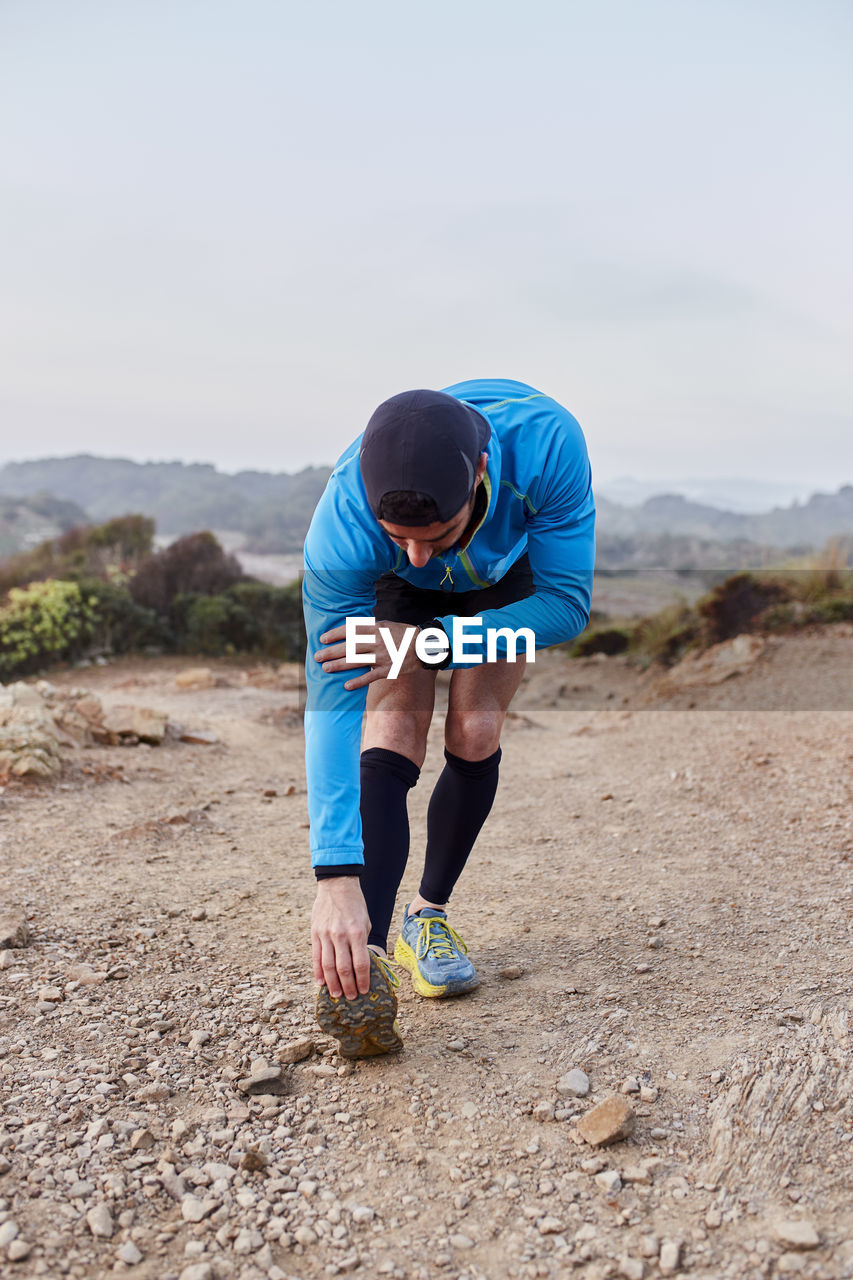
419 554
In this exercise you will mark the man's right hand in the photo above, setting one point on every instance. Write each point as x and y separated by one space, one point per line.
339 928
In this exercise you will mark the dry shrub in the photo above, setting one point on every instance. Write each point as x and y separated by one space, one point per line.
194 565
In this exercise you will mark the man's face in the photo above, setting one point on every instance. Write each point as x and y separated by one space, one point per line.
422 542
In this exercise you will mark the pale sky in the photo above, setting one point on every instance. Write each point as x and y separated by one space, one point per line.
228 230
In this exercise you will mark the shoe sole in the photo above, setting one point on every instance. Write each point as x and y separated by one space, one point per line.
366 1026
405 956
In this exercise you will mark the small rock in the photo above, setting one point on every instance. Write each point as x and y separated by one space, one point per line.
198 913
550 1226
511 973
363 1213
713 1219
791 1264
469 1110
129 1253
648 1093
8 1231
610 1121
14 932
543 1112
50 995
296 1050
456 1046
797 1234
649 1246
266 1080
136 723
7 959
670 1257
631 1268
609 1180
19 1250
460 1241
153 1093
80 1190
100 1221
631 1085
248 1241
253 1161
276 1000
141 1140
717 1076
197 1271
574 1084
636 1173
305 1236
656 922
195 1210
195 678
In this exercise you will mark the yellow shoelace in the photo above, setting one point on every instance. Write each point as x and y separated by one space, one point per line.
385 966
437 936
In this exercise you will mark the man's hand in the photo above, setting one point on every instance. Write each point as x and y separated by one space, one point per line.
333 657
339 928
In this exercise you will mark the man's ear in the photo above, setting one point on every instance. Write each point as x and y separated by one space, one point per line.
481 467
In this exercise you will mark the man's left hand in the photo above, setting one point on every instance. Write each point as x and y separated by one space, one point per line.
333 657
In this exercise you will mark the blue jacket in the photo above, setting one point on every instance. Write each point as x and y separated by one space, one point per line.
540 500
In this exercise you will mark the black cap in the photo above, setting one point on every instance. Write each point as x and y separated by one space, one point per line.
423 442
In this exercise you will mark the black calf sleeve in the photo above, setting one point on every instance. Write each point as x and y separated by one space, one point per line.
386 778
459 806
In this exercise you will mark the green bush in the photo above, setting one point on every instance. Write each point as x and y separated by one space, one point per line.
44 622
120 624
110 550
204 624
838 610
278 627
250 617
732 607
665 636
602 639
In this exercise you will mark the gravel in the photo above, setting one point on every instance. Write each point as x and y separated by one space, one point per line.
121 1100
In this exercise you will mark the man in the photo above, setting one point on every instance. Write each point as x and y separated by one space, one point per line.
474 501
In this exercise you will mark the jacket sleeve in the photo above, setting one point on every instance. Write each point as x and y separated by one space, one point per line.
560 543
343 559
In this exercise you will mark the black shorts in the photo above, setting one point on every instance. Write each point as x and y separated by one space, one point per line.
398 601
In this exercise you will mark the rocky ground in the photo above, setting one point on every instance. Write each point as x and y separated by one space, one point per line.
660 910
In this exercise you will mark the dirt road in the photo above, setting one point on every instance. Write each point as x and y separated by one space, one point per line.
667 866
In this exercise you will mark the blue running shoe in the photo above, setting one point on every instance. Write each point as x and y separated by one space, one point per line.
435 955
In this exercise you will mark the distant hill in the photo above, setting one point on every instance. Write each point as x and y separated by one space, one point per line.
25 522
810 523
273 510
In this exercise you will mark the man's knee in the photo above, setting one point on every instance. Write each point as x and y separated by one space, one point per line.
475 733
399 729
